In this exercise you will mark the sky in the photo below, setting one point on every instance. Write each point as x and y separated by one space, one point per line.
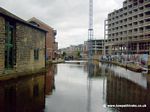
68 17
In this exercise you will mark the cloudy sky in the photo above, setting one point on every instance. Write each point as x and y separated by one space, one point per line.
68 17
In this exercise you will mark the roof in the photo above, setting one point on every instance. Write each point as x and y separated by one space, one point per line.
33 19
6 13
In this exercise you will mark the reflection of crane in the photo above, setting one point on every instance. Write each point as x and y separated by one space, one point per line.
89 85
89 90
90 30
90 54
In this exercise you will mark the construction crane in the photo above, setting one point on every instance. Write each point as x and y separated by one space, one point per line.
90 30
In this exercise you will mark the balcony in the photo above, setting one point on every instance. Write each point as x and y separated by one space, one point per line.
140 18
147 31
147 16
135 26
147 2
140 4
146 23
129 33
141 24
141 32
146 9
135 6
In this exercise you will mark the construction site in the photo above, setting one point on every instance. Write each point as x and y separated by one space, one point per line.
128 28
127 33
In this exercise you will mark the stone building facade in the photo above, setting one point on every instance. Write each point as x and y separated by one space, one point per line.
51 44
22 45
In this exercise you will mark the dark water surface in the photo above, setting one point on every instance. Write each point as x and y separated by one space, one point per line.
77 88
80 89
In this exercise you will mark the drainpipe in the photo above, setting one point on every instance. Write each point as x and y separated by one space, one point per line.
149 61
45 74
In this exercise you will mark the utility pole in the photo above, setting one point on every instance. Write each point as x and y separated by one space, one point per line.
90 30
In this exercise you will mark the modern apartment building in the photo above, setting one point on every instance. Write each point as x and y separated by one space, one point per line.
128 28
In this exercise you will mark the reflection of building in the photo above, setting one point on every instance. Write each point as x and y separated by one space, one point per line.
93 69
50 79
123 91
129 28
23 95
22 45
51 44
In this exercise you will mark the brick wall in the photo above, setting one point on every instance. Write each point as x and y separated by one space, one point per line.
50 37
149 63
2 40
49 43
28 39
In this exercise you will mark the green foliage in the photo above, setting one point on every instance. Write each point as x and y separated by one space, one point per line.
64 54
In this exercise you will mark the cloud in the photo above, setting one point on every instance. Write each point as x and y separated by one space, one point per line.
68 17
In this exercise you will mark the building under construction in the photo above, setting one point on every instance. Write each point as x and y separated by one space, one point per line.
128 28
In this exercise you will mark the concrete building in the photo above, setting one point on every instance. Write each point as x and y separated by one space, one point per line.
73 51
129 28
22 45
97 46
51 44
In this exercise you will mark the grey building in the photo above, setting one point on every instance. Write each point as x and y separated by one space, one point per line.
128 28
97 46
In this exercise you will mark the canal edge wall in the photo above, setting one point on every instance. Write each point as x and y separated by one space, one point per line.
127 66
17 75
149 64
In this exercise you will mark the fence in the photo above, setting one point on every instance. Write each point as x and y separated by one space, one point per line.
138 59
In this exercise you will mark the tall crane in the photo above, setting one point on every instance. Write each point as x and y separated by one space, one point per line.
90 30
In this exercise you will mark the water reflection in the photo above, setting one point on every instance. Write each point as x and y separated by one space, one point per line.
23 95
121 87
27 94
50 79
78 88
94 70
126 87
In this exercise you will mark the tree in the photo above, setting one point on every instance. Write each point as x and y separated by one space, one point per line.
78 54
63 54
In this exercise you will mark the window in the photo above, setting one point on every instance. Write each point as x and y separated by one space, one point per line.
36 54
10 56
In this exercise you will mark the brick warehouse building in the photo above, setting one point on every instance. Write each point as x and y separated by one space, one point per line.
51 44
129 28
22 45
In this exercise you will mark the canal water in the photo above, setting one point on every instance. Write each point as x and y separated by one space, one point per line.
78 87
98 88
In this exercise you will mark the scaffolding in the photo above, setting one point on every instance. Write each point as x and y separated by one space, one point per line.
90 30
